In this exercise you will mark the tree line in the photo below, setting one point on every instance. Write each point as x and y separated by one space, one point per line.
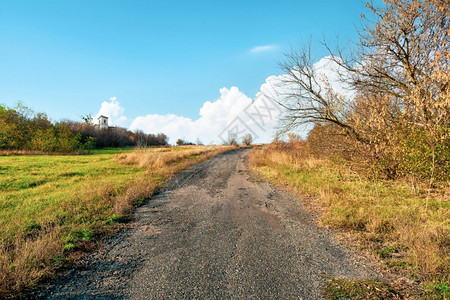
396 121
23 129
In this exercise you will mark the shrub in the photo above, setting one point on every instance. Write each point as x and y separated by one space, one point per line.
247 139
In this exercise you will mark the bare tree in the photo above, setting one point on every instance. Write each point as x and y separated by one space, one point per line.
247 139
398 98
402 56
308 96
140 139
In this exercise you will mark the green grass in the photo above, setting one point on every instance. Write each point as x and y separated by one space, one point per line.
360 290
45 189
111 150
437 289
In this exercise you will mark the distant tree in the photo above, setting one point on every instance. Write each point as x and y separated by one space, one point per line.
21 128
247 139
140 139
41 121
66 139
5 128
15 129
232 139
181 142
162 139
89 144
88 119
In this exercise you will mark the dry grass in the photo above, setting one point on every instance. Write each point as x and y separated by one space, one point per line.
32 152
407 232
163 157
54 208
31 259
365 289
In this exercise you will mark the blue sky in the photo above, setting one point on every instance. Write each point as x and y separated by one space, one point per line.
156 57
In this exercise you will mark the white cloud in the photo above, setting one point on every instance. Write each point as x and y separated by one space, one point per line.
113 111
232 111
265 48
328 70
173 126
214 118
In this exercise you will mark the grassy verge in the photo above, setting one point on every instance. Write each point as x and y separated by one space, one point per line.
54 208
364 289
409 233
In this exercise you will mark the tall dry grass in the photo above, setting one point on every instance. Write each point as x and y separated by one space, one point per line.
30 260
163 157
408 232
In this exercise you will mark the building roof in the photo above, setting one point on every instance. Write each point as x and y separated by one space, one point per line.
102 116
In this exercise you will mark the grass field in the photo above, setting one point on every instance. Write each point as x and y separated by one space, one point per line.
54 207
406 231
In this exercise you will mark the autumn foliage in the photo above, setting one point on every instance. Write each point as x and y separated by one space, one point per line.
397 119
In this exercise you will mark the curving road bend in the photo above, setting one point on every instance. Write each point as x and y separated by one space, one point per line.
215 232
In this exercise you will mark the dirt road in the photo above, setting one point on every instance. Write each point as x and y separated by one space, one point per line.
215 232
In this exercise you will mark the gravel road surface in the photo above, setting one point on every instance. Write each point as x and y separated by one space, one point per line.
215 232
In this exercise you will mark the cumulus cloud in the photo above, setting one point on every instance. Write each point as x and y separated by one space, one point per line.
173 126
328 71
114 111
232 114
265 48
214 118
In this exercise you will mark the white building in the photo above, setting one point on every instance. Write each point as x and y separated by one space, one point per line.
103 122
